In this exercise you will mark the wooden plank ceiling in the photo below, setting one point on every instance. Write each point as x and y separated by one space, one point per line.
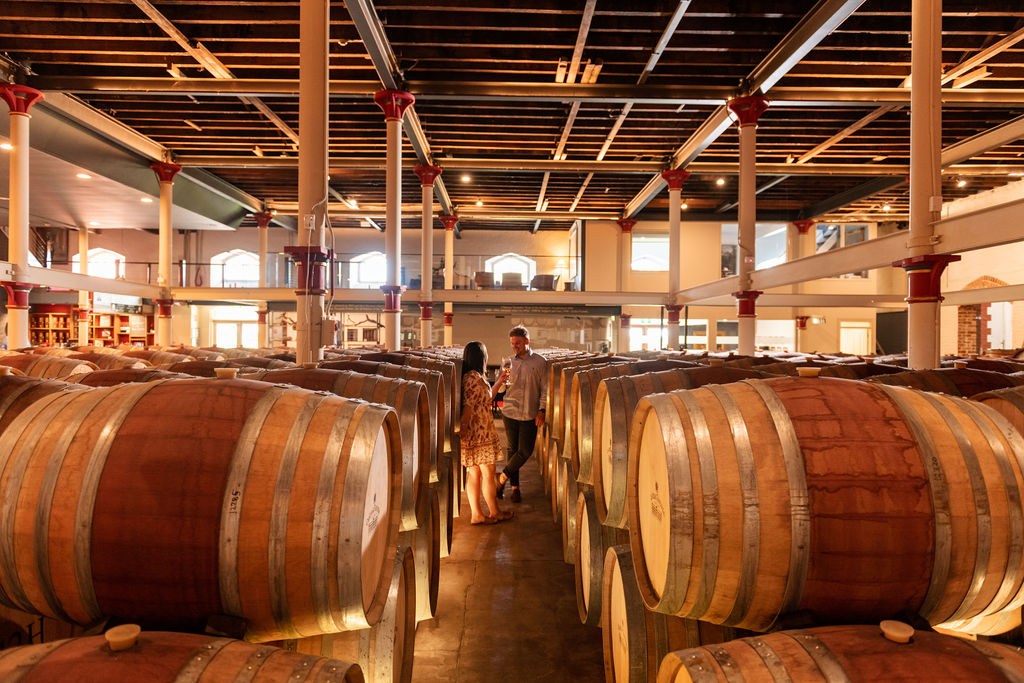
487 75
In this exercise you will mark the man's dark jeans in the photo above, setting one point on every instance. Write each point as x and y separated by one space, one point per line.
522 435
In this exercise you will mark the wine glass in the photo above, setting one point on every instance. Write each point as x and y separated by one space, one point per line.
506 367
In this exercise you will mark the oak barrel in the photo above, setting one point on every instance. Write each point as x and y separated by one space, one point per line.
1008 402
859 370
18 392
425 542
108 361
844 501
169 502
163 657
110 378
409 399
614 404
592 542
634 638
844 653
567 519
53 351
261 362
452 384
446 517
952 381
48 367
159 359
581 418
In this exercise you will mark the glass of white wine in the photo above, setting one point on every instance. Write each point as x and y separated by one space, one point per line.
506 367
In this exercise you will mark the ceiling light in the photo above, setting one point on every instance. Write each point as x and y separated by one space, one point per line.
720 181
684 205
886 208
465 178
83 176
146 200
479 203
961 183
7 146
1016 173
94 223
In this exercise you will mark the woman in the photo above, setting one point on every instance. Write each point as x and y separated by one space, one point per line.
478 437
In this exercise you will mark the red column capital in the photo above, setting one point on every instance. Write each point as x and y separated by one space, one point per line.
263 218
261 317
801 321
449 221
19 98
748 109
448 318
392 298
426 310
311 268
673 313
427 174
165 171
804 225
626 224
746 302
394 103
164 307
17 294
675 178
924 276
624 319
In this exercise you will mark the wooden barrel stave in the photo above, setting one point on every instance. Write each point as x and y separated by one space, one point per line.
592 542
848 475
952 381
48 367
17 392
570 494
110 378
425 542
97 449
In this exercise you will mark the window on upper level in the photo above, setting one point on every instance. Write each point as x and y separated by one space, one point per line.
368 271
101 263
512 263
769 246
235 268
649 252
829 236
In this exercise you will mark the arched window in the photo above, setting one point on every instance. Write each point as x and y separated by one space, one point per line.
102 263
512 263
368 271
235 268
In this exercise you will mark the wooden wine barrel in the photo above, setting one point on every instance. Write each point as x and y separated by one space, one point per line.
844 653
750 362
198 354
952 381
232 353
261 362
290 357
107 361
613 414
553 413
48 367
431 379
565 396
162 657
159 359
18 392
426 547
446 518
110 378
846 501
592 542
791 368
991 364
59 351
989 625
384 651
635 639
183 499
409 399
584 390
108 350
1007 402
208 368
859 370
567 514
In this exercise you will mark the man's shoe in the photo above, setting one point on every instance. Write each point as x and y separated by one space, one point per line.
499 488
516 496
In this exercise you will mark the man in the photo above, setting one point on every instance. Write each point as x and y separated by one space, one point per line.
523 408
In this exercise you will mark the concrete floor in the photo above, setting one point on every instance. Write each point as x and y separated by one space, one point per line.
506 608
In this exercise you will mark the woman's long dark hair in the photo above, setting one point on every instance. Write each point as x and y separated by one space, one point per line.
474 357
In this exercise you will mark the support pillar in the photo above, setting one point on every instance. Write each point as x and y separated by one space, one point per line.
924 286
746 303
84 307
623 341
427 175
675 180
19 99
925 182
165 173
393 103
263 219
163 319
747 110
314 141
801 327
626 225
449 274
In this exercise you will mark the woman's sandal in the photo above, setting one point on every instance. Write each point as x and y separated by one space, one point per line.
503 516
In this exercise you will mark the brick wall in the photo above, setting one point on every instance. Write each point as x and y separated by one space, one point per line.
967 329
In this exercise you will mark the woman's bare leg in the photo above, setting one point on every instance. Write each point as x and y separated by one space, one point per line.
473 492
487 476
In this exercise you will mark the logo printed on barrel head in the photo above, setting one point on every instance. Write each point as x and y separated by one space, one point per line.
373 518
657 509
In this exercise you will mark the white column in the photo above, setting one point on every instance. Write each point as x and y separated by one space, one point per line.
83 295
449 275
311 255
623 340
165 173
925 174
625 251
263 226
427 175
394 104
19 100
675 180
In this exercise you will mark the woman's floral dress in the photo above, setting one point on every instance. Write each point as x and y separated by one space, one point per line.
478 437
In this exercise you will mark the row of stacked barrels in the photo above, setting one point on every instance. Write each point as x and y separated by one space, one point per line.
301 509
747 517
